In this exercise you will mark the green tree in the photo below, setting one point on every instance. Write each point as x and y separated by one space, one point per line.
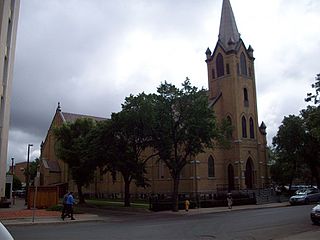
72 148
185 127
311 146
33 168
123 142
289 148
315 96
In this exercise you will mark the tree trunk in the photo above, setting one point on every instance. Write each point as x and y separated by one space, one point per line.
80 194
175 194
127 193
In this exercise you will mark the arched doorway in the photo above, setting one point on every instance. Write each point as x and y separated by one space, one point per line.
230 178
249 174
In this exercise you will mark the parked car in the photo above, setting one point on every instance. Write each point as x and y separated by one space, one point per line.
4 233
305 197
20 193
315 214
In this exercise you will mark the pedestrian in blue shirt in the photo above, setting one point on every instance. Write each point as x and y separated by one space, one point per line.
70 202
65 208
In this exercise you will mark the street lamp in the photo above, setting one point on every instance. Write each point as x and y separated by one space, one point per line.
12 160
27 175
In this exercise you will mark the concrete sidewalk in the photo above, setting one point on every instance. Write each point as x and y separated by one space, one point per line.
18 214
225 209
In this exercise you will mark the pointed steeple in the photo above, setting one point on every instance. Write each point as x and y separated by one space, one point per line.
228 33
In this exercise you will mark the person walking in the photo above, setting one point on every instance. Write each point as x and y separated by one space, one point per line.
186 205
70 203
229 200
64 208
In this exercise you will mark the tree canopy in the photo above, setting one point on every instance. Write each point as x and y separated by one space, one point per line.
72 148
185 127
297 144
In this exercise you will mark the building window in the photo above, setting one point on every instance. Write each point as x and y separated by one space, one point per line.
213 73
228 69
245 97
160 170
229 133
250 72
244 127
219 65
243 64
251 128
211 167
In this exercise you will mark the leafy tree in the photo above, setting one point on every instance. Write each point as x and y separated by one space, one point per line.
17 185
311 146
315 96
33 168
288 147
124 140
185 126
72 148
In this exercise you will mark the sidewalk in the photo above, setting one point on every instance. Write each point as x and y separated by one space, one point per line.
18 214
225 209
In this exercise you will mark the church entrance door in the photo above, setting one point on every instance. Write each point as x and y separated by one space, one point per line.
230 178
249 174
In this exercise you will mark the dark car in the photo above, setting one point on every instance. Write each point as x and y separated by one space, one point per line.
305 196
315 214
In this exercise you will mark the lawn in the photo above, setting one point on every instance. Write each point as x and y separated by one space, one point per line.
115 204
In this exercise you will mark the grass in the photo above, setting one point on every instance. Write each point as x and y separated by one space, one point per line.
115 204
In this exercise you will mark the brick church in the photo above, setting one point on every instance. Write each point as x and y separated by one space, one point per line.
232 96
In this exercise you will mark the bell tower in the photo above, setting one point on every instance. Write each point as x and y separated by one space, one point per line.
232 95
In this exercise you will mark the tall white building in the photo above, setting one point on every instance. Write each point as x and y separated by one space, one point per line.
9 12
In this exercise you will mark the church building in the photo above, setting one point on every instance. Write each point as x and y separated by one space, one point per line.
232 96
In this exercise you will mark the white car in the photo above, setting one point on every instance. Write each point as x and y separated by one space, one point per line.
315 214
4 233
305 197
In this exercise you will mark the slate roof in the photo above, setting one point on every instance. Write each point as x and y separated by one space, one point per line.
71 117
228 32
52 165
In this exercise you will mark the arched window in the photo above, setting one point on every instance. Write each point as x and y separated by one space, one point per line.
229 134
219 65
251 128
249 174
243 64
211 167
245 97
244 127
230 178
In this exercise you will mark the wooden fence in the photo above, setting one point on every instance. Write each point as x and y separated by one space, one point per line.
45 196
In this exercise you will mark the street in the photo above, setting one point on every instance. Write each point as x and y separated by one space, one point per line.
264 224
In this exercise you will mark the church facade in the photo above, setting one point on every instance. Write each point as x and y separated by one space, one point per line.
232 96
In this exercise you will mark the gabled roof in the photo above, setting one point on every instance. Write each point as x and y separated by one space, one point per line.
52 166
71 117
228 32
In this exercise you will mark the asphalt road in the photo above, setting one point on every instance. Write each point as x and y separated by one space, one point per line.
259 224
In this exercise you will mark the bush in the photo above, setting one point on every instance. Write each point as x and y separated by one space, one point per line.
55 208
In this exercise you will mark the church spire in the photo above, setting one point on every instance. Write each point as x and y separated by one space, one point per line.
228 33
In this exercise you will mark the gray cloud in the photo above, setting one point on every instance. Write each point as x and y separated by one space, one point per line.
90 55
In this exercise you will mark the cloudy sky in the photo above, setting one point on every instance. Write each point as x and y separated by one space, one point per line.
90 54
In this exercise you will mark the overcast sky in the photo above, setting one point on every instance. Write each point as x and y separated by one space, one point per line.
90 54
